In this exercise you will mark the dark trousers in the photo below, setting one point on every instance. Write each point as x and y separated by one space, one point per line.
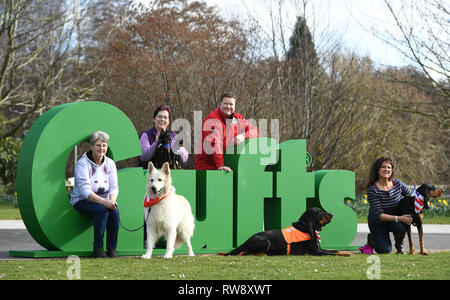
103 218
380 232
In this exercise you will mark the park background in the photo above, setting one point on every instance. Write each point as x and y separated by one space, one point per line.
139 55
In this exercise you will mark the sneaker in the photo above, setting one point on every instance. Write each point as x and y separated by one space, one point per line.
366 249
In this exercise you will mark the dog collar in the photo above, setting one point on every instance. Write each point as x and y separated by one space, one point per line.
418 201
148 202
166 146
318 236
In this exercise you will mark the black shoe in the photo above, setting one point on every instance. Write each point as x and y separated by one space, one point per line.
112 253
98 253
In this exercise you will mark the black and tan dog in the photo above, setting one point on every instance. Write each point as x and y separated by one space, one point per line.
164 153
299 239
413 205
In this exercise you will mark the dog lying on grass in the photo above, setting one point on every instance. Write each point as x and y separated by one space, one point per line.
299 239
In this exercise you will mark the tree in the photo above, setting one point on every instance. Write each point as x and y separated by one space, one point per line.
305 70
423 31
180 53
37 55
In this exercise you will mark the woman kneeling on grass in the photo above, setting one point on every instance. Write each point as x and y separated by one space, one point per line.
384 193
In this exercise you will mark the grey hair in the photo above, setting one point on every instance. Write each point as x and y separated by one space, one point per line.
99 135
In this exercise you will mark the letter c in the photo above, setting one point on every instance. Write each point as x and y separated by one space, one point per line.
43 200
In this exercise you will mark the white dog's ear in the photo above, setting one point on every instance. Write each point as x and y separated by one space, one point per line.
151 167
166 168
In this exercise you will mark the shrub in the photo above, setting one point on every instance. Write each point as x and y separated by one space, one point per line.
9 155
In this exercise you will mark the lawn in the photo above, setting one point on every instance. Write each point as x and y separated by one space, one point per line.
9 212
213 267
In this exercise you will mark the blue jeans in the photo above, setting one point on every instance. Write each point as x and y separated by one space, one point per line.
103 219
380 232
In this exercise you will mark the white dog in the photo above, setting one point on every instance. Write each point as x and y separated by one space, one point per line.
170 214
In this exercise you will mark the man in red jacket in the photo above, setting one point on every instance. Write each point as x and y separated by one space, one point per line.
221 128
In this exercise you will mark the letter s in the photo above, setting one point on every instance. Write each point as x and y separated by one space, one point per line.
332 188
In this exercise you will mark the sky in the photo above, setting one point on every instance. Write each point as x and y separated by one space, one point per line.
350 20
347 20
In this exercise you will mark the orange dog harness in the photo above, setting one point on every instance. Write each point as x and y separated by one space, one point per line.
292 235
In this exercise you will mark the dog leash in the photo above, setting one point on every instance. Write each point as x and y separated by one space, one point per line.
148 202
133 230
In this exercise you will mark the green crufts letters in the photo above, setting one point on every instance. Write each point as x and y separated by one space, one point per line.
264 191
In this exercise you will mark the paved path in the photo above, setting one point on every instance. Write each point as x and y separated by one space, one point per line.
362 227
427 228
436 237
14 236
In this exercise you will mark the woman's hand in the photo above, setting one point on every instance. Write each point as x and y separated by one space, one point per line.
225 168
109 204
407 219
238 139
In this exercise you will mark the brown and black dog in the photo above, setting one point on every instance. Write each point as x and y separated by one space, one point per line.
279 242
413 205
164 153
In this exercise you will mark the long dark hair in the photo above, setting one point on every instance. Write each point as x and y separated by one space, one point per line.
373 175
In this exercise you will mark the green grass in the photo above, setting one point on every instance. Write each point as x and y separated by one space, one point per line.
9 207
9 212
206 267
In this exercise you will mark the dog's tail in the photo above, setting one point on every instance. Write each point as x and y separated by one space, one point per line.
238 251
230 253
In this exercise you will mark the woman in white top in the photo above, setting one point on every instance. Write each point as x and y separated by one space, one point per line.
95 193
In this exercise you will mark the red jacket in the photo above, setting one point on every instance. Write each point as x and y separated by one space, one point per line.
215 135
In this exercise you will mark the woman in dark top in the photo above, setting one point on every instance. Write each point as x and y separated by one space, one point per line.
384 193
150 138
